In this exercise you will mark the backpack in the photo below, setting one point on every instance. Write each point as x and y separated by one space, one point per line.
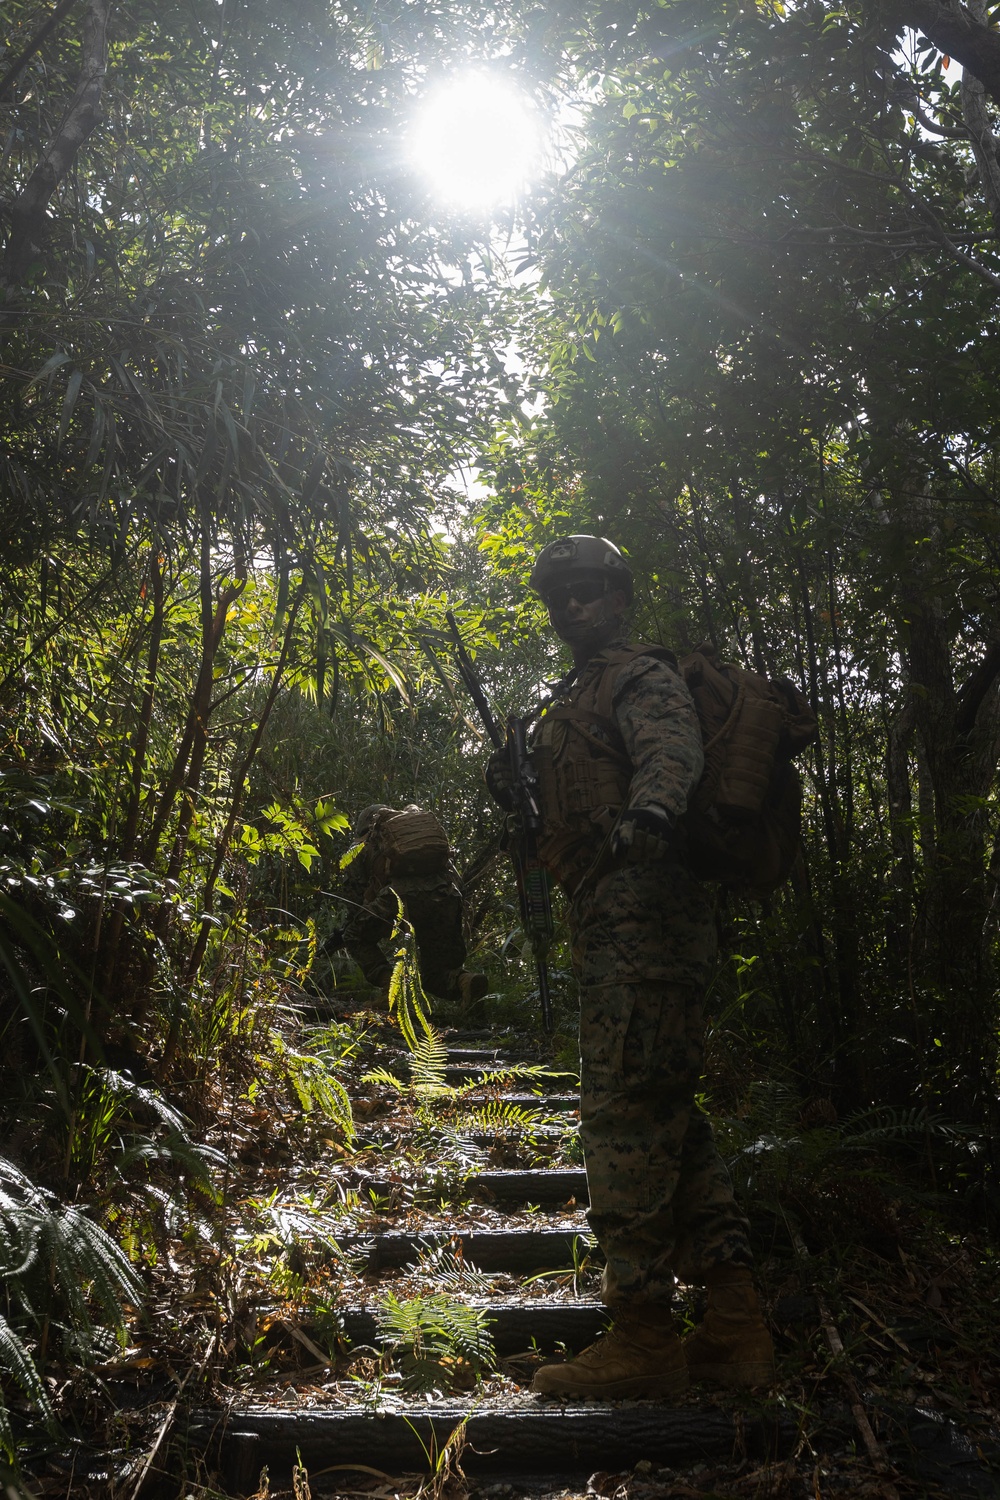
410 842
744 819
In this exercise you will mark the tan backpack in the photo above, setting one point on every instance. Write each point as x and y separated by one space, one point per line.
744 819
410 842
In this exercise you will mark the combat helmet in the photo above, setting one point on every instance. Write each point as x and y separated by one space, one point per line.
363 822
580 554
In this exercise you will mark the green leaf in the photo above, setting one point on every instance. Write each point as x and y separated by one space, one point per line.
73 386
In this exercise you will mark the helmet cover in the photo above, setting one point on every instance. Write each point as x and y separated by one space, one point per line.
580 553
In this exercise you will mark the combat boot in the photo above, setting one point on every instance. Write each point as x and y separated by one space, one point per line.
470 986
731 1347
640 1355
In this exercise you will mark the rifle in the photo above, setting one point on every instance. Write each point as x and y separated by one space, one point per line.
525 823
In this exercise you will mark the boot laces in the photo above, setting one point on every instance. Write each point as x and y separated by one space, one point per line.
609 1343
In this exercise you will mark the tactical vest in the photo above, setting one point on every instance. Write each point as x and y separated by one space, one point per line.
583 768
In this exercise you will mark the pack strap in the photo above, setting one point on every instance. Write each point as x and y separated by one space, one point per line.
589 720
734 713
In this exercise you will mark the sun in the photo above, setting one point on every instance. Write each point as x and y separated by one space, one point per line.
477 139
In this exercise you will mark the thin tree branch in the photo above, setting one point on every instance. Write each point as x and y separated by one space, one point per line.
39 39
84 114
950 133
937 229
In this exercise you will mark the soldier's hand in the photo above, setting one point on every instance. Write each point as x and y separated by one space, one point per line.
643 834
500 779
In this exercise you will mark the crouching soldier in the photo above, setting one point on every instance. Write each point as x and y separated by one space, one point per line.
405 857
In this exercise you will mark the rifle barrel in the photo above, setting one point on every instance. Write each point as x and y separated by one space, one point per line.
471 681
532 883
544 996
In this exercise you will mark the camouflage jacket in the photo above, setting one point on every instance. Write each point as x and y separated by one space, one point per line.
625 733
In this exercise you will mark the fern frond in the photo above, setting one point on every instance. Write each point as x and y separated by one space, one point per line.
88 1264
316 1086
428 1061
501 1077
885 1125
407 1000
53 1248
429 1333
500 1115
447 1266
124 1089
16 1362
382 1075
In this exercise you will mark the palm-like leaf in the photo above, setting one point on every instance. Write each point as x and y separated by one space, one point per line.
53 1253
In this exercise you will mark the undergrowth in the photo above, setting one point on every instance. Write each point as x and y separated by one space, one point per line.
436 1342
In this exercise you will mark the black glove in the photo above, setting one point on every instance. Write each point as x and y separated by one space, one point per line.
500 779
643 834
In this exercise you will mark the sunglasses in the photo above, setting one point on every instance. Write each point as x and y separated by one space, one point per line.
584 591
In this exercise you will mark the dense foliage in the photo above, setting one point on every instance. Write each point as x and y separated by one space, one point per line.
244 358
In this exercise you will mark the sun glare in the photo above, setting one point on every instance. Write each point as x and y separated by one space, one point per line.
477 140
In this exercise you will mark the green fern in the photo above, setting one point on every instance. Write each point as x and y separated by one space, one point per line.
447 1144
499 1116
427 1063
435 1340
318 1089
885 1126
444 1263
383 1076
120 1123
502 1077
407 1000
56 1262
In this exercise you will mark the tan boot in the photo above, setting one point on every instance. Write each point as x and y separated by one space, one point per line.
471 986
641 1355
731 1347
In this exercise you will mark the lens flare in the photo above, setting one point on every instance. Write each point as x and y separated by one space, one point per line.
478 140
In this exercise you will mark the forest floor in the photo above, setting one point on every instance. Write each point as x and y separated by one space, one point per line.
883 1296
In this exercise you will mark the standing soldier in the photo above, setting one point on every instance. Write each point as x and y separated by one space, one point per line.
617 756
404 856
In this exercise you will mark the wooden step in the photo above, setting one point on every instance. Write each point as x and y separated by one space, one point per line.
549 1104
481 1057
460 1073
541 1437
367 1140
514 1325
491 1057
536 1185
516 1250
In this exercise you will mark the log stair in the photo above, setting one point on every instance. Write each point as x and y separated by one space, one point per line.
533 1436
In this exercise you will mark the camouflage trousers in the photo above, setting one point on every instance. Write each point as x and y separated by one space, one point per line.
661 1202
432 904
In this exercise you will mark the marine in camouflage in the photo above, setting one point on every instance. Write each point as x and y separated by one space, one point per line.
643 939
433 906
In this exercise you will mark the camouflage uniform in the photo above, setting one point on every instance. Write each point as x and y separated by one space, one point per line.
643 937
432 904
